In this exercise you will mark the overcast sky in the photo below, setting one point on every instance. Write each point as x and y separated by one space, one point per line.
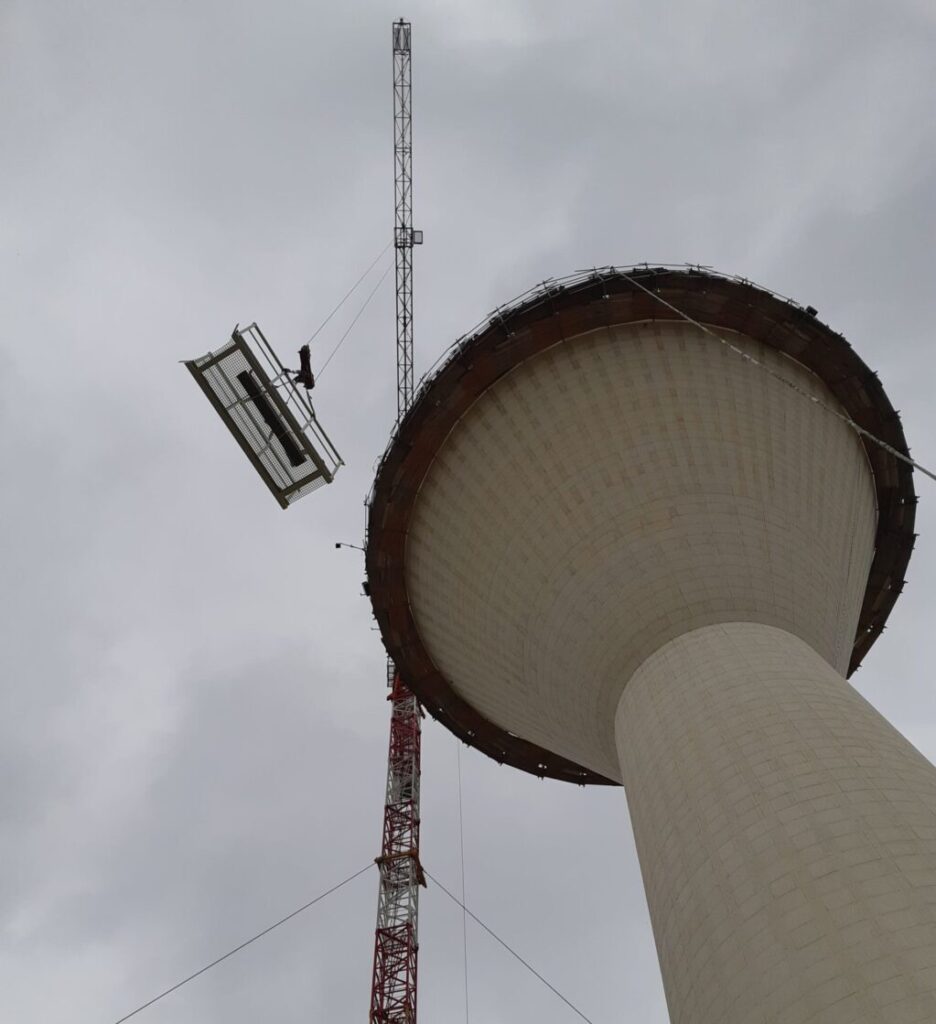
192 726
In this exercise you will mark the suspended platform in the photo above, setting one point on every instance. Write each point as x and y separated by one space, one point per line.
271 418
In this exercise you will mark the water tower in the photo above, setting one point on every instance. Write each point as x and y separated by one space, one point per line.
629 533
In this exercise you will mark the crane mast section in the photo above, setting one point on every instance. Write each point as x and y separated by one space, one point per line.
405 237
396 944
393 995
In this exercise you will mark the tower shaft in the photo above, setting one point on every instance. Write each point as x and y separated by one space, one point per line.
786 834
396 943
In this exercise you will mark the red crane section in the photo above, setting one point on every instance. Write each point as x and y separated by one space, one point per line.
393 994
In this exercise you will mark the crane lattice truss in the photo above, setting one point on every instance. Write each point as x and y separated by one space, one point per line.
393 996
403 225
396 944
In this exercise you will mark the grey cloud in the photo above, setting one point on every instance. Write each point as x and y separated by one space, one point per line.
192 723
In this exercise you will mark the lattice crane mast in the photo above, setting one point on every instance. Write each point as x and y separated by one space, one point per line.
396 943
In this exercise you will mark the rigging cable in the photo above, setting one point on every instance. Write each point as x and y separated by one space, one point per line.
461 840
783 380
350 292
357 317
237 949
511 951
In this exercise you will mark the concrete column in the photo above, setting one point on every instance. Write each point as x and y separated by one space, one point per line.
786 834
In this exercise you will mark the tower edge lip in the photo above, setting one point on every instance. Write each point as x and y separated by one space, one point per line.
546 316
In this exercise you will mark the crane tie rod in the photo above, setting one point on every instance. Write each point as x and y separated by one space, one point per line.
243 945
511 951
783 380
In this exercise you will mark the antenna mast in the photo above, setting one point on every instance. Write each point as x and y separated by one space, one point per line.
396 945
404 235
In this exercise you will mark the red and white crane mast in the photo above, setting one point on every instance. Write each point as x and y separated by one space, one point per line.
396 943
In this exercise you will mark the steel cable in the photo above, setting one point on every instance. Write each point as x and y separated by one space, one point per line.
783 380
350 292
510 950
461 841
357 317
237 949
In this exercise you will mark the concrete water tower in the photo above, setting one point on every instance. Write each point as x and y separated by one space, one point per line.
629 534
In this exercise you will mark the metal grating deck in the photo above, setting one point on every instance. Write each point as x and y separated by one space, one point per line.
273 420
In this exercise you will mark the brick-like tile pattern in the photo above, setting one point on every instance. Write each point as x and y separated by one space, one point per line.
786 832
614 492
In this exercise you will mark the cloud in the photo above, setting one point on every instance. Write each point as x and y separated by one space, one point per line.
192 725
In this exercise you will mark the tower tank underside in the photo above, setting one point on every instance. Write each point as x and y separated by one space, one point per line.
624 487
591 477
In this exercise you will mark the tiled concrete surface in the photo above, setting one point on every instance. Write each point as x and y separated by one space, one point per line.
614 492
786 832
